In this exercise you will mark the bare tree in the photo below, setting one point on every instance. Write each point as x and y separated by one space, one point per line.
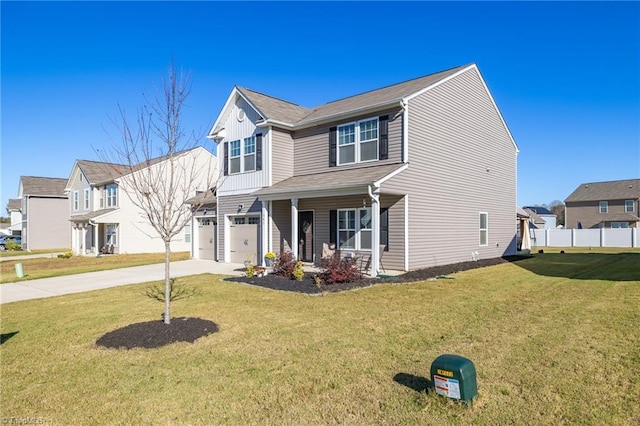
163 168
557 207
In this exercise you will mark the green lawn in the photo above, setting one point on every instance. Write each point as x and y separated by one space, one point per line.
45 267
555 340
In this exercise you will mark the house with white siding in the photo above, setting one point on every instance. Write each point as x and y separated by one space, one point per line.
416 174
103 215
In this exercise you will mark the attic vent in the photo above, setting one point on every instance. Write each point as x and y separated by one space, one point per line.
240 114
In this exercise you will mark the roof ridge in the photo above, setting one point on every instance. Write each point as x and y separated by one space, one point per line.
272 97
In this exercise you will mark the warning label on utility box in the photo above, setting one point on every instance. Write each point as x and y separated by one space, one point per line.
447 387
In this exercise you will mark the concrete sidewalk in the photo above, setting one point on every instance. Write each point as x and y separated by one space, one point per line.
49 287
30 256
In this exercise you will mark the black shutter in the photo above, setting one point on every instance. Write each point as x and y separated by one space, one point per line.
333 226
384 228
226 158
259 151
383 152
332 146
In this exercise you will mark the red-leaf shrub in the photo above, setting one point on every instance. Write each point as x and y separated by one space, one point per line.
340 270
284 265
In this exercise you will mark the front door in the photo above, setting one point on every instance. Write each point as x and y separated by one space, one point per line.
305 236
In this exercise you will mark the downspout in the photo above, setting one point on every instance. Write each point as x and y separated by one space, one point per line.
375 228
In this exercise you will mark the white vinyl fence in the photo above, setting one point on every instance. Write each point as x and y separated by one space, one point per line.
603 237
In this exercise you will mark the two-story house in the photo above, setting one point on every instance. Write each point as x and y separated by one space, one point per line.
613 204
416 174
45 213
104 216
14 207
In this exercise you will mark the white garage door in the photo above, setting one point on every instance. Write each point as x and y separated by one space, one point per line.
206 239
244 235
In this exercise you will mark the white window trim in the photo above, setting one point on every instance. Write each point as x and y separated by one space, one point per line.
187 233
632 206
483 229
358 242
243 155
604 204
109 197
86 198
76 201
357 142
625 225
115 234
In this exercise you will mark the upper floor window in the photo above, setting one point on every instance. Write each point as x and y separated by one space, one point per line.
187 233
112 195
86 199
628 206
358 142
604 206
243 155
76 200
484 229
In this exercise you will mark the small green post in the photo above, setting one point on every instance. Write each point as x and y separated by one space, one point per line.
19 270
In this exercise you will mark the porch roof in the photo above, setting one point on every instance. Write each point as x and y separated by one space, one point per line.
619 217
89 216
338 182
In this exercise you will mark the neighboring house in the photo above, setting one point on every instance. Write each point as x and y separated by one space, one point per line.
416 174
104 218
611 204
13 207
45 213
541 217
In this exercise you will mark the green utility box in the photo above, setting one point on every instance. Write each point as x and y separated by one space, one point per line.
454 376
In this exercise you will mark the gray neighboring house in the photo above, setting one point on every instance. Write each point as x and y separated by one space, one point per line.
613 204
411 175
45 213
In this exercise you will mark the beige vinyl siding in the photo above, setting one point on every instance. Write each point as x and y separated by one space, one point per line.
282 155
588 213
321 207
461 162
48 223
228 205
311 152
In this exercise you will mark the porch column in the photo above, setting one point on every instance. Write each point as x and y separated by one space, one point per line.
74 239
294 227
264 235
375 235
84 239
96 240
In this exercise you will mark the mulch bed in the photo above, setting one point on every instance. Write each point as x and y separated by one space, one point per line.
308 286
153 334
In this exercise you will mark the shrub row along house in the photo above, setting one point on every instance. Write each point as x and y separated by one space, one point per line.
412 175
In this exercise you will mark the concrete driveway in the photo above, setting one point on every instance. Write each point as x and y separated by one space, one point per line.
57 286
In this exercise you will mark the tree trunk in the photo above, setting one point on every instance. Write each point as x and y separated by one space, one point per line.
167 283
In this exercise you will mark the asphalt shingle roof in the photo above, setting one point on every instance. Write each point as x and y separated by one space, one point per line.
43 186
99 172
14 204
277 109
603 191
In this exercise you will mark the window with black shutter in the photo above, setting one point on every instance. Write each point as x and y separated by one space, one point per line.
384 138
332 147
259 151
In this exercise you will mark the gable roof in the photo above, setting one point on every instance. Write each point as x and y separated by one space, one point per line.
43 186
289 114
540 210
534 216
98 172
628 189
14 204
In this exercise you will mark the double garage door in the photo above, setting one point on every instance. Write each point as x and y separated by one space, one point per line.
244 238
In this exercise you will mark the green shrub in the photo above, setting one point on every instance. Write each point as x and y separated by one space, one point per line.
11 244
284 265
250 270
65 255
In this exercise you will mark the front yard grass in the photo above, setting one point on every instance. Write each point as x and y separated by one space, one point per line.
554 338
46 267
13 253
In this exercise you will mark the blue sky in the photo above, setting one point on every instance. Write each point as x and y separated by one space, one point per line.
566 76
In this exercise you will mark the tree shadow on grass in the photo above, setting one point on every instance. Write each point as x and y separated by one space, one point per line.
585 266
154 334
417 383
6 336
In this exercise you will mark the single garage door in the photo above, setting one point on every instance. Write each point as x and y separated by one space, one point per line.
244 235
206 239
